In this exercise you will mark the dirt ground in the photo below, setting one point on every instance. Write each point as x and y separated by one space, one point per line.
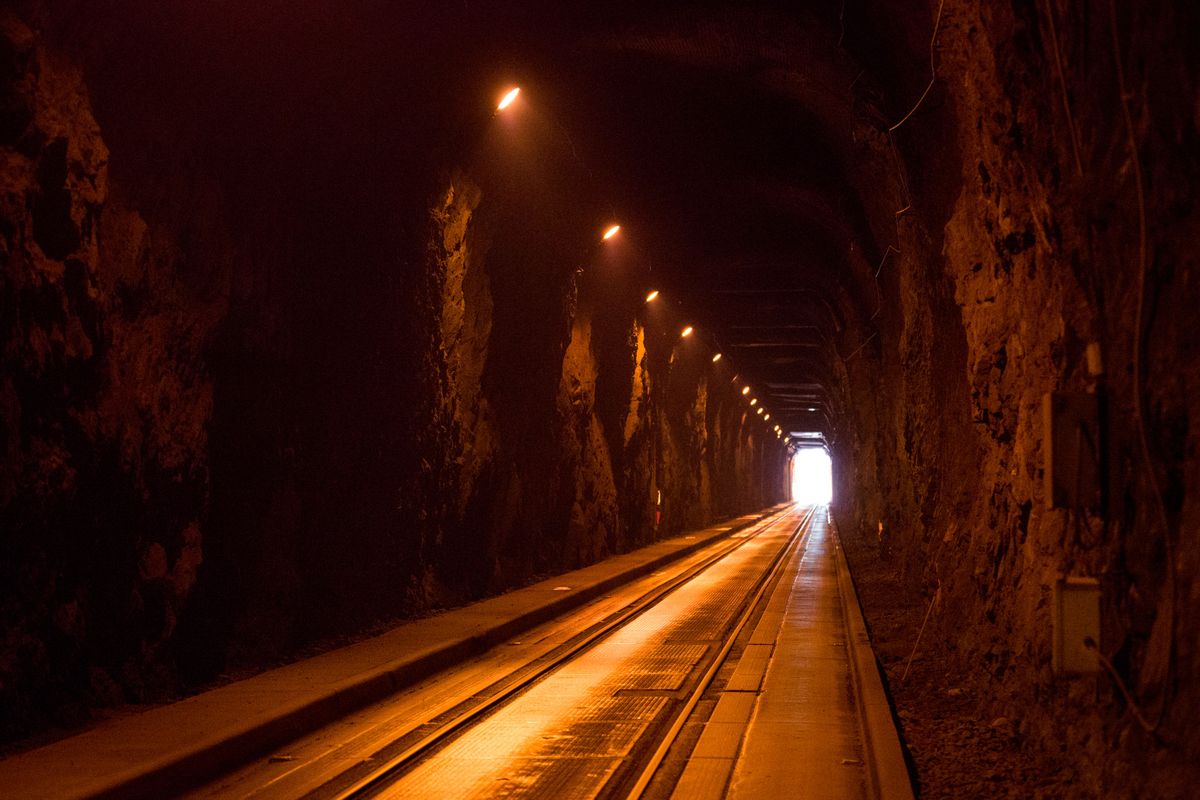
955 748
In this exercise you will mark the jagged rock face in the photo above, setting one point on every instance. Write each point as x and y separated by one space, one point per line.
106 404
1022 245
540 461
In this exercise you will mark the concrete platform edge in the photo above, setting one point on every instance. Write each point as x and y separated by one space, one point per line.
236 746
887 768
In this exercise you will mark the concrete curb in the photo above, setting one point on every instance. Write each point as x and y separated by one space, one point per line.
262 730
887 769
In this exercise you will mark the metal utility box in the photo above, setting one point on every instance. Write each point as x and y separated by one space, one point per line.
1072 449
1076 618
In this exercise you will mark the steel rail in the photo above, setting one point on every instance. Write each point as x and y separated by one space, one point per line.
682 716
524 677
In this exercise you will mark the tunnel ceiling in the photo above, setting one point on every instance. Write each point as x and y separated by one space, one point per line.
738 147
727 151
727 140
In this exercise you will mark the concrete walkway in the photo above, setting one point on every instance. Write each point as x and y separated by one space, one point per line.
162 751
804 714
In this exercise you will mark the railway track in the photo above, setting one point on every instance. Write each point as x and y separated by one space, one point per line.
659 703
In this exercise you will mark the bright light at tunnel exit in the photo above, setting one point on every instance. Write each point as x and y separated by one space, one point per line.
812 476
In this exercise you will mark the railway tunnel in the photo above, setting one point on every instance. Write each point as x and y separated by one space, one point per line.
322 320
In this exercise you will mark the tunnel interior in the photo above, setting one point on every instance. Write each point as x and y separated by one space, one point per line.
302 336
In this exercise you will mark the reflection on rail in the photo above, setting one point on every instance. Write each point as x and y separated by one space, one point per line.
601 710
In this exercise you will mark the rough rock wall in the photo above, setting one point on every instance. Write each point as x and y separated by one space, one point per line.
1050 208
105 404
223 442
631 411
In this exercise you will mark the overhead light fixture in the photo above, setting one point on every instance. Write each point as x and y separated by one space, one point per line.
766 417
650 297
508 99
716 358
611 232
745 390
812 409
753 401
686 332
758 410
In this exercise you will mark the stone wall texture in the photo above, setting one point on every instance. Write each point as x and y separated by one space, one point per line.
221 449
1048 209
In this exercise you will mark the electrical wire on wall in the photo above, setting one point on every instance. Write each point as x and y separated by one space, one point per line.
1138 412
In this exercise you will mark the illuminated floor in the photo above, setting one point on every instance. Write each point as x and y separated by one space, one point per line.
805 732
781 717
569 735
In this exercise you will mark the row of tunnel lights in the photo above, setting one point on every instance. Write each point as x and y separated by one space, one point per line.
758 409
506 101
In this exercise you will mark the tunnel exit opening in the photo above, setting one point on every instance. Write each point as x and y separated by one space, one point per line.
812 476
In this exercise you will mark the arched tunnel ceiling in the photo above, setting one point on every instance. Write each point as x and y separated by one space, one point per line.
731 143
727 152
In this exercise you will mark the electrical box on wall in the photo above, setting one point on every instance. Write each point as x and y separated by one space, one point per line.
1071 429
1076 620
